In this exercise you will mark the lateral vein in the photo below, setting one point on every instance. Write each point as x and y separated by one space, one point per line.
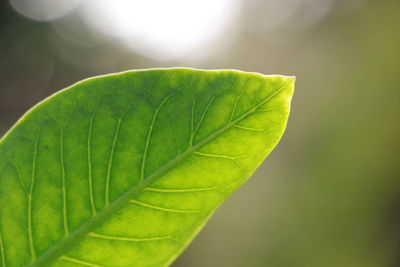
249 128
110 161
19 177
161 208
181 190
30 223
216 155
2 252
236 103
89 155
148 138
192 123
64 189
129 239
205 112
85 263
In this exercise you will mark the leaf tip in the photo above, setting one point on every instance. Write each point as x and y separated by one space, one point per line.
291 80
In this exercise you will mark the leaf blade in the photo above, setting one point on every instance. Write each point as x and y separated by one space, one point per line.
136 93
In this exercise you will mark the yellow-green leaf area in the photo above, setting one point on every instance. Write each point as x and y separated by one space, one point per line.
124 169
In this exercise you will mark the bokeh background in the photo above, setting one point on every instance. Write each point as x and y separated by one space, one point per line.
329 194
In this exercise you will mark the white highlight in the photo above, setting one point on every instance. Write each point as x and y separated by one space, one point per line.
160 28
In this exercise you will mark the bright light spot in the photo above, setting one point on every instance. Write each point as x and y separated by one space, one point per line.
44 10
160 28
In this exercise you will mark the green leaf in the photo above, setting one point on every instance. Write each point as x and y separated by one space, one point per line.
124 169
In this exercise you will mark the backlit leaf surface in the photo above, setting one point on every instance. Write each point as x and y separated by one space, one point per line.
124 169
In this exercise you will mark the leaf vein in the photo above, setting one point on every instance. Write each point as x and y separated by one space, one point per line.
218 155
19 177
205 111
192 122
249 128
85 263
236 103
161 208
64 189
3 256
111 158
149 134
33 175
89 159
179 190
129 239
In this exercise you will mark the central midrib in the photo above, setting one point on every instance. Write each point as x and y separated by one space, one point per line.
64 245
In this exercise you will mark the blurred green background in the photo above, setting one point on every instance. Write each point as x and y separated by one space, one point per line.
329 194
